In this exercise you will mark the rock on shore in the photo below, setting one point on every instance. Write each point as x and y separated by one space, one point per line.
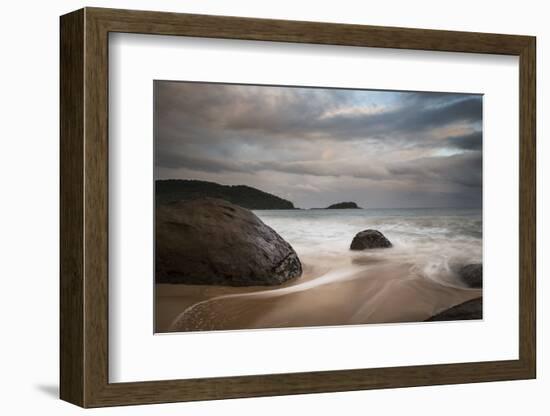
472 309
472 275
211 241
369 239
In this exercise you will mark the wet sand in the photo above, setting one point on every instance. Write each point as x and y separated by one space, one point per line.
332 291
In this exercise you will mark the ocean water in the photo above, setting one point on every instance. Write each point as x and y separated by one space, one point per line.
432 242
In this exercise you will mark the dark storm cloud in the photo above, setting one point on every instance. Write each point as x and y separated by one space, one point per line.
471 141
303 113
269 109
208 165
314 168
398 123
461 169
401 141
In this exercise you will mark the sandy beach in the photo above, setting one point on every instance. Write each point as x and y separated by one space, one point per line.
376 295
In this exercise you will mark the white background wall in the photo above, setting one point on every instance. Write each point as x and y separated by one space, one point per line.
29 162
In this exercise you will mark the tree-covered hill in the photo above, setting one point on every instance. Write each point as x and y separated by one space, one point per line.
171 190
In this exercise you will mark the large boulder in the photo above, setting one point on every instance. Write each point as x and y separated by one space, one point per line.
472 275
211 241
369 239
472 309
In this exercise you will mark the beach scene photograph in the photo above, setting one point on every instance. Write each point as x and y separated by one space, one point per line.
293 207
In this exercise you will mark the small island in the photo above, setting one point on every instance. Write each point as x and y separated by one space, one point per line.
344 205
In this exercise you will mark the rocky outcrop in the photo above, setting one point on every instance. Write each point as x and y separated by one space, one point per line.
472 275
211 241
369 239
343 205
472 309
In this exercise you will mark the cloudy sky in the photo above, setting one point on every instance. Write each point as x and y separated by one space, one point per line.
318 146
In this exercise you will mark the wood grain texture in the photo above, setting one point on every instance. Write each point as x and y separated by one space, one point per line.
226 27
84 207
71 208
96 217
527 207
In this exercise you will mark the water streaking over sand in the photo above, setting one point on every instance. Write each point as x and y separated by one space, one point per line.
407 283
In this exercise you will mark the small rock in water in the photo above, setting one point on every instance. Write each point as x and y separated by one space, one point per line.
369 239
472 275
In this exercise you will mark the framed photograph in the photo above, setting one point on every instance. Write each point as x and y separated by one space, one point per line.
255 207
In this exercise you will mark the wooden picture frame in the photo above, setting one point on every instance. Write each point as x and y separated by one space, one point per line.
84 207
